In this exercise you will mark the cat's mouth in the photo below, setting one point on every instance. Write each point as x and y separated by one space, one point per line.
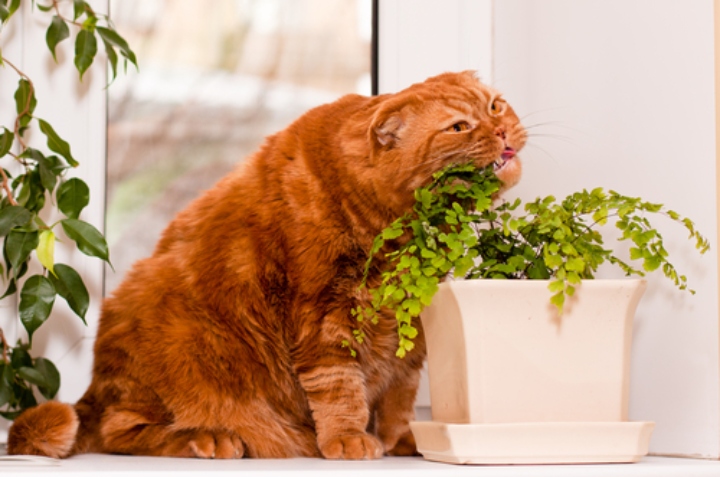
507 155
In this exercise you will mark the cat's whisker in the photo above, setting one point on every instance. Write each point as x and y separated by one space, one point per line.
565 139
541 111
556 124
544 151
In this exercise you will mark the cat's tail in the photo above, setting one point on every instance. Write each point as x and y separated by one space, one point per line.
49 429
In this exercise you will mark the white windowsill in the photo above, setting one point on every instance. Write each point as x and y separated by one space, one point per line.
111 465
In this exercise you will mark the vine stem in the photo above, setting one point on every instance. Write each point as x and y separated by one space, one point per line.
25 111
6 187
55 4
23 144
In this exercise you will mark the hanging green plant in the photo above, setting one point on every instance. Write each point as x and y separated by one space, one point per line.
43 175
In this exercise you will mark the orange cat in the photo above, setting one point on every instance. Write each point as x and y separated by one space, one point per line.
227 341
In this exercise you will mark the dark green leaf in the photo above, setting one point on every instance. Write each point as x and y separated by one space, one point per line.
19 245
32 376
85 50
113 37
70 286
56 32
26 397
36 301
25 102
112 57
14 5
89 240
72 197
20 357
10 415
11 289
6 378
11 217
43 8
51 375
78 8
48 178
4 13
6 141
56 143
32 192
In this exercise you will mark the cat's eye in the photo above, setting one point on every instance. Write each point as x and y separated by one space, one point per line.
459 126
497 107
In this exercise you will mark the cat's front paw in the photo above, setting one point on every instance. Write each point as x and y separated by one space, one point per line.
352 446
213 445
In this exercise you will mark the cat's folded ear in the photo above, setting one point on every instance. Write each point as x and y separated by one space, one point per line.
386 127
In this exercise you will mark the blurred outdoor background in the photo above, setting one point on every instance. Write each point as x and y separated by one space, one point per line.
215 78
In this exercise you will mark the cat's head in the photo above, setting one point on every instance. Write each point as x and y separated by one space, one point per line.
447 119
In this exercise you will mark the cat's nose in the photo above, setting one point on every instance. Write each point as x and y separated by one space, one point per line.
500 132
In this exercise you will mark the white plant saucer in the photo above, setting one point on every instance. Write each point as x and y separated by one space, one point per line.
533 442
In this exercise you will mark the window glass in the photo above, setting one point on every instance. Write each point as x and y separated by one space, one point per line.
215 78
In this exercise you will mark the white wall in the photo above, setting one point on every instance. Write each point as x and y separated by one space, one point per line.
421 38
618 94
78 113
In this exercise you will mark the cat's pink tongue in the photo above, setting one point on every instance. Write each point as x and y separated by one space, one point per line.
508 153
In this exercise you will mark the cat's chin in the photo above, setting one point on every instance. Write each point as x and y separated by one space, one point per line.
508 171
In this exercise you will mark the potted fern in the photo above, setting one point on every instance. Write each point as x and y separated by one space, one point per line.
528 355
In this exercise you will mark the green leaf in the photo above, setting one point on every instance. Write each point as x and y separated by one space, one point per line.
558 300
11 217
390 234
553 261
652 263
88 239
4 13
85 51
556 286
36 301
575 264
20 357
50 167
112 57
56 143
14 5
6 141
72 197
19 245
70 286
46 250
56 32
25 103
111 36
32 376
51 376
6 379
78 8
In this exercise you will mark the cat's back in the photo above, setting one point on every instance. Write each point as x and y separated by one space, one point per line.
288 174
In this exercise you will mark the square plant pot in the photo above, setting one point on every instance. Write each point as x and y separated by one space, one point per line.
513 379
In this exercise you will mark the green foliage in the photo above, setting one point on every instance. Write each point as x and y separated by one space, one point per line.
20 376
454 229
39 185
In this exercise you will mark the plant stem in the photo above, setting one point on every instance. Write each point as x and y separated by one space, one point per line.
6 187
31 94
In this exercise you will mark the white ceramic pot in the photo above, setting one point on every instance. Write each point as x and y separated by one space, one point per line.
529 385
